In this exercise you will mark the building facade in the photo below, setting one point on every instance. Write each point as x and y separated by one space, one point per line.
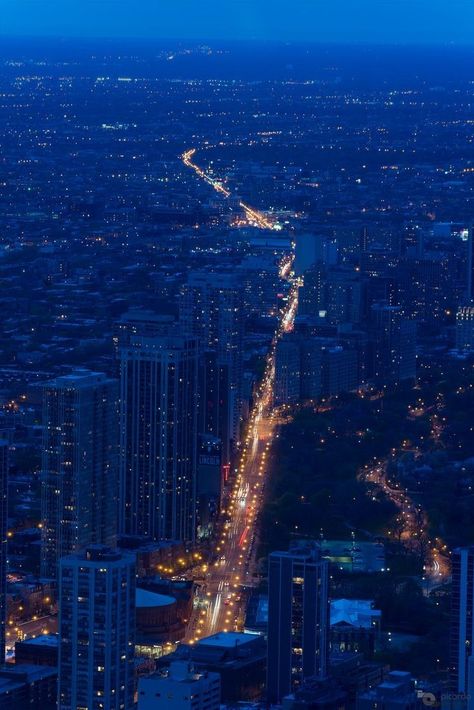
158 437
180 687
462 618
286 388
212 309
298 619
465 328
79 476
3 542
394 345
97 630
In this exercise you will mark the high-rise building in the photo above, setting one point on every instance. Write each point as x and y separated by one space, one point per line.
364 239
462 618
215 401
470 265
180 687
308 251
343 296
378 262
412 240
3 542
465 328
140 321
298 619
97 630
286 388
332 293
313 248
211 309
423 291
311 364
209 481
261 283
312 295
158 437
339 372
308 367
79 476
394 345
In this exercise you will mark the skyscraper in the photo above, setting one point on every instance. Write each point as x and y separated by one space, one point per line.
140 321
298 619
211 309
465 328
462 618
364 239
215 400
333 293
312 295
394 345
97 630
309 251
286 388
79 476
470 266
3 542
158 437
209 481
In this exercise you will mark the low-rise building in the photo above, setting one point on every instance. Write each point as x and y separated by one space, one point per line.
239 658
27 686
180 687
396 692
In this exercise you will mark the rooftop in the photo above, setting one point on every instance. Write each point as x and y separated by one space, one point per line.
50 640
148 600
354 612
228 640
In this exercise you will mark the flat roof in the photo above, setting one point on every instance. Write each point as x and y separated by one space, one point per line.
146 599
228 639
51 640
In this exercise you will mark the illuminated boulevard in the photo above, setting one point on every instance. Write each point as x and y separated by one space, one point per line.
254 217
221 605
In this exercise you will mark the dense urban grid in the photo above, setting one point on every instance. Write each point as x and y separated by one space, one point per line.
236 377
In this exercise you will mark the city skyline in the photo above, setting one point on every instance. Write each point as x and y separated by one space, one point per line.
236 364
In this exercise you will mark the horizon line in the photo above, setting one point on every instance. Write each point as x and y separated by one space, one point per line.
241 40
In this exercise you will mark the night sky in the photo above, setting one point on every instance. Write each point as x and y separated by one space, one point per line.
379 21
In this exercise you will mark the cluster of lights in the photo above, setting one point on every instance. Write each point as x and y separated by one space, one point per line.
414 525
246 495
255 217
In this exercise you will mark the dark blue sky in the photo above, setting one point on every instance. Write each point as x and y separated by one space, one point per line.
315 20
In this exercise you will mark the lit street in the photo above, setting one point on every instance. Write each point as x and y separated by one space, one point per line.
412 525
221 605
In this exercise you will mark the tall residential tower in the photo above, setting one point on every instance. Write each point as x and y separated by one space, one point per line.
3 543
158 437
79 476
211 309
97 630
462 619
298 619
